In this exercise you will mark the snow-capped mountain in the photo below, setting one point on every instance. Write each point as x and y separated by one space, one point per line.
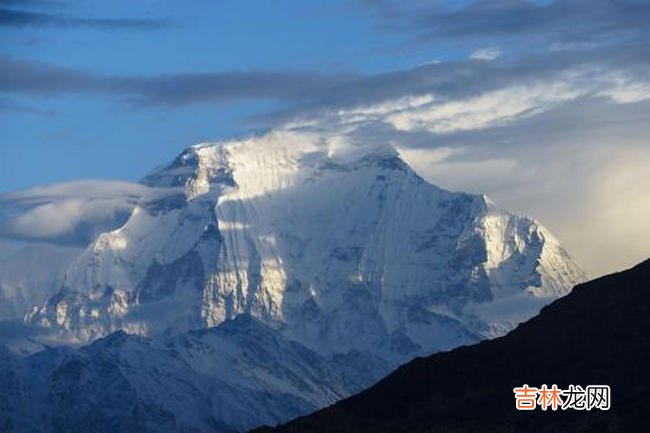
338 245
342 253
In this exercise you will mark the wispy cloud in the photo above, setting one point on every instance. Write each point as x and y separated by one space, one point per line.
558 21
535 43
302 92
41 79
13 14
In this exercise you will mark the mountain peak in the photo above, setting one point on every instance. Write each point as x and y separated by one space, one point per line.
339 245
276 158
314 248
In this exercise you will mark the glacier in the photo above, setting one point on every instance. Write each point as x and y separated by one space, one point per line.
336 255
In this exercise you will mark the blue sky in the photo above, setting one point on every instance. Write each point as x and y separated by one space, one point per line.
542 105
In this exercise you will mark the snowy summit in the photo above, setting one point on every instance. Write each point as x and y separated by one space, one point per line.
340 258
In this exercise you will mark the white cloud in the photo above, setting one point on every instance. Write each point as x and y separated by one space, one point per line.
623 89
489 109
437 115
70 212
52 219
487 53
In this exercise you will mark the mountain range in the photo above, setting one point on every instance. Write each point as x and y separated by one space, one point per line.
266 277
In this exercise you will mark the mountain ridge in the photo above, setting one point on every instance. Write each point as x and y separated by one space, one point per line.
598 334
227 378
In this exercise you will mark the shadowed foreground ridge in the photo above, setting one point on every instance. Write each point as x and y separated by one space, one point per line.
598 334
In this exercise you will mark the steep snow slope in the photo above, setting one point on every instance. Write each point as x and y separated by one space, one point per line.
338 245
